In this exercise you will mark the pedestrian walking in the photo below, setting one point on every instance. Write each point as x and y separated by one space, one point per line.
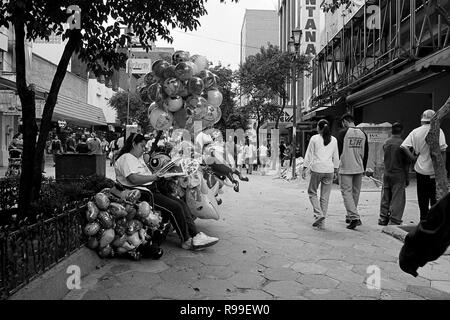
353 151
113 149
322 158
94 144
395 179
71 144
105 145
281 155
82 146
263 158
240 155
426 183
249 155
56 147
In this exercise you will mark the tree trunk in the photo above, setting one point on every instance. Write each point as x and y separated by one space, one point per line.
26 95
277 122
432 140
257 142
31 176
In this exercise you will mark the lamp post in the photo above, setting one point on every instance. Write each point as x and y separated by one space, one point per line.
294 47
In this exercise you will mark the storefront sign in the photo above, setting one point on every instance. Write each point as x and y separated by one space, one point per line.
310 20
376 136
139 66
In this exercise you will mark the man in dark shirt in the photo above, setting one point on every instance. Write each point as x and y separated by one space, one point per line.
71 143
395 179
82 146
281 155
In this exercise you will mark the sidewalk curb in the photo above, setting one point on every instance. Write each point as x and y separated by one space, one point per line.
52 285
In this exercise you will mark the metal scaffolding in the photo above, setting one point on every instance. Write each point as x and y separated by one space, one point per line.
384 35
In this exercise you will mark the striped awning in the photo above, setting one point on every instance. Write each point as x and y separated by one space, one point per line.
78 112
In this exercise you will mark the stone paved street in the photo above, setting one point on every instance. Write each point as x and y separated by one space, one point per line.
269 250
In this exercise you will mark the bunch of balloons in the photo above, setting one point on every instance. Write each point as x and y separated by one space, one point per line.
181 93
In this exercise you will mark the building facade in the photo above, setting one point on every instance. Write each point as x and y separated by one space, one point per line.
381 60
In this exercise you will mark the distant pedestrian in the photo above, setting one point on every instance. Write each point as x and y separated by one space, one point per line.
395 179
240 155
56 148
263 158
322 158
113 150
282 150
426 183
94 144
353 151
71 144
249 155
82 146
105 145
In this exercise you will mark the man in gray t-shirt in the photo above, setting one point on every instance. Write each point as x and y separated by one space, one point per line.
353 151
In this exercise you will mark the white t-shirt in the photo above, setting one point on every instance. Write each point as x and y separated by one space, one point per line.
263 151
120 142
416 140
321 158
128 164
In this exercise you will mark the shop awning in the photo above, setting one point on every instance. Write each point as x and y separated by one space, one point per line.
77 112
313 113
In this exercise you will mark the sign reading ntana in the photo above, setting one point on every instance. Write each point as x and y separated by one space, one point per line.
310 22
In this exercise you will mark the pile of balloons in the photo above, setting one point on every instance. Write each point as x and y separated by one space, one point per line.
182 92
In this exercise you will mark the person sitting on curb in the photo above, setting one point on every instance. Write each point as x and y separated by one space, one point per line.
132 172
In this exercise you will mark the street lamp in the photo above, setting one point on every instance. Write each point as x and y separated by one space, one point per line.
294 47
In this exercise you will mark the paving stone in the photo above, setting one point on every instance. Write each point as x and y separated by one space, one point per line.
147 265
139 278
130 292
183 275
430 273
317 281
247 280
193 263
287 289
398 295
327 294
120 268
342 274
428 292
359 290
329 264
209 287
274 274
251 295
173 290
215 260
441 285
216 272
286 235
275 261
95 295
308 268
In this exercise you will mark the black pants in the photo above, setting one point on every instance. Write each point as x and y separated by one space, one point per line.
426 194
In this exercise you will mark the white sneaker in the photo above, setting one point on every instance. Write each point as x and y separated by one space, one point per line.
187 245
201 240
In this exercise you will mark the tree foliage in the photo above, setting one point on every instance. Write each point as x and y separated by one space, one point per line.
97 44
232 116
268 72
138 110
333 5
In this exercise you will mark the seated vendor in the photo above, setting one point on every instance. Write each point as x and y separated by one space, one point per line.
131 171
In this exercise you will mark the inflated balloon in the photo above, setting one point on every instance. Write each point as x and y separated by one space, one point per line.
155 92
212 114
160 119
195 85
180 56
200 61
169 72
194 102
215 97
173 104
183 71
144 94
171 86
209 79
193 66
150 78
183 90
158 68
